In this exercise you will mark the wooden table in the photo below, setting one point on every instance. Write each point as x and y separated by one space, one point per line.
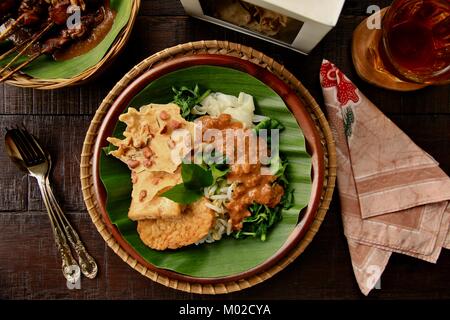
29 265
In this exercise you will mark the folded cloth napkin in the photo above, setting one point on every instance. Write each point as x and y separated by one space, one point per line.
394 197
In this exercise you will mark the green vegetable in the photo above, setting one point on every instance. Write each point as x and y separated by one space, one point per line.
264 218
187 98
278 168
217 163
288 199
195 178
181 194
219 171
269 124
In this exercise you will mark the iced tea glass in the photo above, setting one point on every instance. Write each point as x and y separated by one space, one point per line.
416 39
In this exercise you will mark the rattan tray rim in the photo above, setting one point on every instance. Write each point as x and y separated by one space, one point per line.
246 53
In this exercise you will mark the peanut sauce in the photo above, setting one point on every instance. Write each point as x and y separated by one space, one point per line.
252 187
83 46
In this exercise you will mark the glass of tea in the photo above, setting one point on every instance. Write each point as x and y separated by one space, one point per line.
416 40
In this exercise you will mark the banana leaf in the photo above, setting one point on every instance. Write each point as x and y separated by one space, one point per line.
228 256
46 67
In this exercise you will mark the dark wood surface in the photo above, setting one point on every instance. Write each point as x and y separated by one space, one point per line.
29 264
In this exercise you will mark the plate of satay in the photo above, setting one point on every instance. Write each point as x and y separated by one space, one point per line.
207 169
48 44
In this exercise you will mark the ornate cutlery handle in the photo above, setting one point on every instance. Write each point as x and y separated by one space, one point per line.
86 262
68 262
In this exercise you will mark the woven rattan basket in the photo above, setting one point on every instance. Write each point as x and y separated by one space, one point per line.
25 81
246 53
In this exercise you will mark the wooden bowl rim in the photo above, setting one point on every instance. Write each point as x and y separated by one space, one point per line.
293 103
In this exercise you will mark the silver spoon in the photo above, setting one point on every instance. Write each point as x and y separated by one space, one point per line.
25 151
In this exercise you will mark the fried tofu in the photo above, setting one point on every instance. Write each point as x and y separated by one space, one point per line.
145 200
154 139
193 225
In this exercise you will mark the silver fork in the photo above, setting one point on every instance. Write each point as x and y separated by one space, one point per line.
24 149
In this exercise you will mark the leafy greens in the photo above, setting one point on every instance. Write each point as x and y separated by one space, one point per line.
195 178
263 218
187 98
269 124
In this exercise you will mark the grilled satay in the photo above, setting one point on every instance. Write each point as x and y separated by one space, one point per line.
58 9
30 14
78 3
65 37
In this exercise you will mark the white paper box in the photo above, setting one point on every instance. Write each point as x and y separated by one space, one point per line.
311 19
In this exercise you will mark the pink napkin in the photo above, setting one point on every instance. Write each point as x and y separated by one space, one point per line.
394 197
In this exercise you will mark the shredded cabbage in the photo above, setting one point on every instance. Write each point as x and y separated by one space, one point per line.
240 108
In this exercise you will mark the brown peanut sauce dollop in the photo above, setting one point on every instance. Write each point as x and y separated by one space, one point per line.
252 186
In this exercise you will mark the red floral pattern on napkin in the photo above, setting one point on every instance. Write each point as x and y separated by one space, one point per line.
332 77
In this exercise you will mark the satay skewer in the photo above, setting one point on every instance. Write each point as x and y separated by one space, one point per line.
15 48
10 51
11 28
30 14
20 67
30 11
54 44
27 46
4 18
57 15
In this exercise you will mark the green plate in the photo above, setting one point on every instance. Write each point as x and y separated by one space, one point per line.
228 256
